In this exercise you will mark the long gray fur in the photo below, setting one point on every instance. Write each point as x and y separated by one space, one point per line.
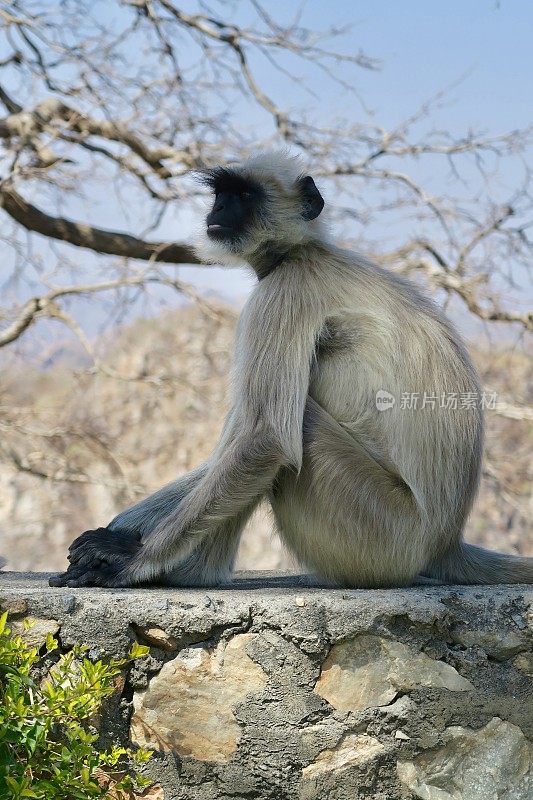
363 497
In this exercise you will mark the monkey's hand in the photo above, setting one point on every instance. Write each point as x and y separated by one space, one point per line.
100 558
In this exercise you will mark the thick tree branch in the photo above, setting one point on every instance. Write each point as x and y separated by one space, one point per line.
81 235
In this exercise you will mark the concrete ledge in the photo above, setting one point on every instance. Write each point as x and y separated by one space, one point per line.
273 688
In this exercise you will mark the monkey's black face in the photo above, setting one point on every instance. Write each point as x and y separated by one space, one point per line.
237 202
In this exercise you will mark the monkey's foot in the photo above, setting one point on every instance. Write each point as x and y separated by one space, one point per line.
100 558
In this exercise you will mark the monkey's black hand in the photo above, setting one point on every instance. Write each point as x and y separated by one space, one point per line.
98 558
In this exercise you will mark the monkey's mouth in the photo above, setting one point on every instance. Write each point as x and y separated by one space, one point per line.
220 231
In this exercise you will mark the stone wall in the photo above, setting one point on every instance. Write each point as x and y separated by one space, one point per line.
271 688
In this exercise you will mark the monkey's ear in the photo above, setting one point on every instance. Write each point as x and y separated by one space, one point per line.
313 202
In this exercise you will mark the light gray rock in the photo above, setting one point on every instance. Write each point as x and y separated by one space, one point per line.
157 637
524 662
189 706
493 763
369 671
354 749
500 644
34 630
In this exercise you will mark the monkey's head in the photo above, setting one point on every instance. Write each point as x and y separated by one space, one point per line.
265 204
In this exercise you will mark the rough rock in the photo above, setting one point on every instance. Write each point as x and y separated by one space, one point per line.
155 792
15 606
34 631
189 706
156 637
500 644
494 763
369 671
524 662
353 749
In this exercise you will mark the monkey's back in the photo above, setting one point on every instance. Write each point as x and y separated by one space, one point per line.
394 372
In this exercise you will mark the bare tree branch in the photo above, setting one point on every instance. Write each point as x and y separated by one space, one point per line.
83 235
46 306
512 411
466 289
61 475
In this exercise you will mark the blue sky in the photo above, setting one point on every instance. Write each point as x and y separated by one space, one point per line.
424 46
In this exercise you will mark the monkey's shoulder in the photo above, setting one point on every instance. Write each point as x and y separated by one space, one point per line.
335 336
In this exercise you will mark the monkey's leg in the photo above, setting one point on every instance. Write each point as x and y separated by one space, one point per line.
348 516
212 562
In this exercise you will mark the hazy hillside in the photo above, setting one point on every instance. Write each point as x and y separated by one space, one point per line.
78 446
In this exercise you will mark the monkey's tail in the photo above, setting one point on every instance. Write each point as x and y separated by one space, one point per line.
468 564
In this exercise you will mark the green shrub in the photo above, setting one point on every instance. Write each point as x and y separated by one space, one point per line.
47 745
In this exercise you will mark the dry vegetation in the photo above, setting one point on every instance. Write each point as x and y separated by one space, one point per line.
80 445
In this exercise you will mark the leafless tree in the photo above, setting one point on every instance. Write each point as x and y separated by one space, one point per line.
108 106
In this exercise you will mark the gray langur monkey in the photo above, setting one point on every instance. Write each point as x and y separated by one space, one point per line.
365 495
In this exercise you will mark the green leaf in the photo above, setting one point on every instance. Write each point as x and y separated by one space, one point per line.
51 643
3 620
47 748
139 650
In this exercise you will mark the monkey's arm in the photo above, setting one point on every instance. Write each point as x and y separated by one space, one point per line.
275 346
240 476
144 516
108 550
96 556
